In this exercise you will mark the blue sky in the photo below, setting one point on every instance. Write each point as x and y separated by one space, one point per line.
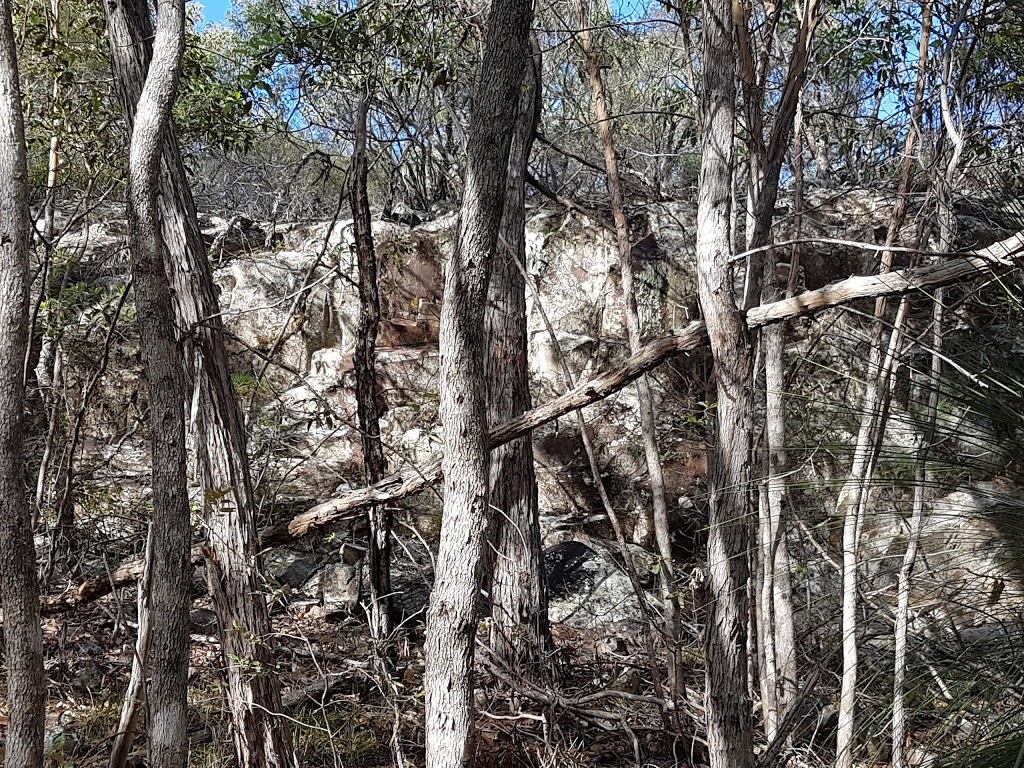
215 10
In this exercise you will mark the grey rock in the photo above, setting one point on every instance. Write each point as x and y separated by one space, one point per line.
588 590
291 567
340 585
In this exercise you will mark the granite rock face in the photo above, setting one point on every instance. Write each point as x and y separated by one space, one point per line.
297 301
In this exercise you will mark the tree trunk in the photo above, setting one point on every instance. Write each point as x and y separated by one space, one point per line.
367 391
452 616
43 367
519 622
902 618
730 725
261 738
162 365
26 687
775 609
947 236
131 707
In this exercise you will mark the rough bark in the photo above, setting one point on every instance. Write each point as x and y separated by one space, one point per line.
367 391
261 737
162 365
26 689
518 589
465 530
729 721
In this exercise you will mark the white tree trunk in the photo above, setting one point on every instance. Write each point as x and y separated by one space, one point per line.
853 497
729 720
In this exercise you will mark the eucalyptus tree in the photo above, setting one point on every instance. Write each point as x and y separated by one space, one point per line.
70 112
467 519
517 585
729 721
261 737
74 162
642 60
171 529
322 55
631 320
765 159
518 588
19 588
854 494
367 386
369 57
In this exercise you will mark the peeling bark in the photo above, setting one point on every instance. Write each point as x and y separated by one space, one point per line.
171 583
261 737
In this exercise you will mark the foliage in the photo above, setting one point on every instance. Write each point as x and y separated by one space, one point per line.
265 116
66 93
212 111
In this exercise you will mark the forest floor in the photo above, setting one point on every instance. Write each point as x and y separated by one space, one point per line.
592 704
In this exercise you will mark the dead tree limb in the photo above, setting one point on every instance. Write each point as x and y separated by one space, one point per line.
569 203
990 261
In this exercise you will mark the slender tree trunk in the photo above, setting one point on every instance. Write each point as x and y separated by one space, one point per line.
465 531
519 622
852 497
47 351
48 366
368 406
645 399
162 364
261 737
730 726
775 614
770 166
798 196
902 618
26 688
947 236
131 707
367 391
